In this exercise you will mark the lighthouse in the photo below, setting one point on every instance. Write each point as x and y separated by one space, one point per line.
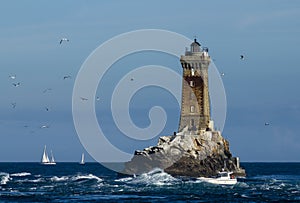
195 102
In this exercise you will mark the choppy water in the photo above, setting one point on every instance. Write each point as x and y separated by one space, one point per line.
71 182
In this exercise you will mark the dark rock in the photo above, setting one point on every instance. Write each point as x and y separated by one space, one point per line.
186 155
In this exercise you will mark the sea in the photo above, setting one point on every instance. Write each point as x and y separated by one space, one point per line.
92 182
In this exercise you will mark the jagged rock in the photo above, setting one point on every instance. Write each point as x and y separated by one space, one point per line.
185 154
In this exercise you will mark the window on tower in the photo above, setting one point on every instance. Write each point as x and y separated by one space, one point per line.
192 83
193 71
192 109
192 95
192 123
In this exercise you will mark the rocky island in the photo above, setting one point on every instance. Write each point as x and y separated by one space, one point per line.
197 149
186 155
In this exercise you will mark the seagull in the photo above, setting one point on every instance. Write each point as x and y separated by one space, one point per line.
16 84
14 104
131 79
98 98
47 109
242 57
83 98
45 126
222 74
266 124
63 39
46 90
12 77
67 77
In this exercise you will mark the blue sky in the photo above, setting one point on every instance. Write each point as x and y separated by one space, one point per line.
262 88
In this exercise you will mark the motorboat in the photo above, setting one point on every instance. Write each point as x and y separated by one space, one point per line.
223 178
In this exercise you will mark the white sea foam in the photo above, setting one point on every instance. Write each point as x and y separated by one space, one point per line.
155 177
4 178
242 184
36 180
124 179
21 174
58 179
273 186
85 177
245 196
47 186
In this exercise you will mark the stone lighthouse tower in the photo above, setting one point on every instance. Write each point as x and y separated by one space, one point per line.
195 103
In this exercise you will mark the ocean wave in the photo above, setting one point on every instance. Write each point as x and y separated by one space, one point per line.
155 177
58 179
124 179
4 178
86 177
47 186
275 178
242 184
21 174
35 180
30 180
275 186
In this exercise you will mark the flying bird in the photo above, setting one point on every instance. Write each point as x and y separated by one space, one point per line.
83 98
45 126
46 90
16 84
98 98
266 124
131 79
47 109
62 40
242 57
14 104
67 77
222 74
12 77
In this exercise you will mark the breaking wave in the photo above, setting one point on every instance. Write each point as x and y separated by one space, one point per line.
155 177
4 178
76 178
21 174
58 179
86 177
32 181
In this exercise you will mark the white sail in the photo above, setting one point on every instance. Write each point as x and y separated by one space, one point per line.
52 158
82 159
45 158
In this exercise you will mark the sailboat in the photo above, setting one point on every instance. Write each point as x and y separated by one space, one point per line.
45 159
82 159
